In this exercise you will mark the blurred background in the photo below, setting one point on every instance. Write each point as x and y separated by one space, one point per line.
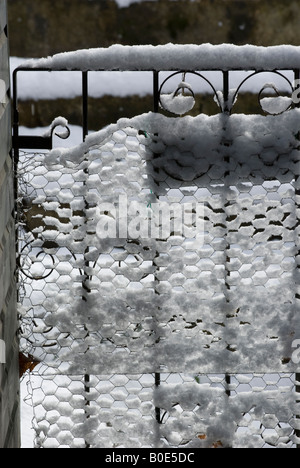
46 27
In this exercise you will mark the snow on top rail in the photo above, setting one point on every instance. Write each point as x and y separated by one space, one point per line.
173 57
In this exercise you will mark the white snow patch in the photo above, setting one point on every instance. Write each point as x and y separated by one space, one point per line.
174 57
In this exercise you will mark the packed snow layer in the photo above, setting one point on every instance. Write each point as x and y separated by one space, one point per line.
224 302
174 57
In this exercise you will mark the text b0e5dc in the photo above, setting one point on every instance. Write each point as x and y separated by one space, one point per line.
2 352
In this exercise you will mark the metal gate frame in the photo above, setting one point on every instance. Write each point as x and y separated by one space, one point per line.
46 142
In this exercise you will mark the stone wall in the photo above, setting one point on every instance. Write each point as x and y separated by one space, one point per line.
45 27
9 370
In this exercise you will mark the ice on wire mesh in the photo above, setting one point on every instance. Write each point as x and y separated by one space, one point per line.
115 411
221 298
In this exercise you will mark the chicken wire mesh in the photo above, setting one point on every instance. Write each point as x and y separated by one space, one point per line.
117 411
168 246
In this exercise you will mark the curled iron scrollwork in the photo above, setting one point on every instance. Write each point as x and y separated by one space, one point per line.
27 262
275 105
182 100
59 122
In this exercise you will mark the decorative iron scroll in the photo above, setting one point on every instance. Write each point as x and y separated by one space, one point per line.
131 289
183 98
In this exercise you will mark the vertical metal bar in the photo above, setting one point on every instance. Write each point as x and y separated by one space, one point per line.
226 173
227 384
297 387
297 193
226 91
155 91
226 162
157 410
85 282
155 109
85 105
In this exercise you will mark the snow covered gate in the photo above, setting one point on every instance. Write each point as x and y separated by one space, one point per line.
159 258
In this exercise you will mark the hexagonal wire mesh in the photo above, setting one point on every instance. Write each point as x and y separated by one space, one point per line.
203 294
118 411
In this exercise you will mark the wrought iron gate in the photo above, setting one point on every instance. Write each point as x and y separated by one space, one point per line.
159 272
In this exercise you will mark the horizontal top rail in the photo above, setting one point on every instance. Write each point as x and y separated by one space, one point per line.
185 58
172 57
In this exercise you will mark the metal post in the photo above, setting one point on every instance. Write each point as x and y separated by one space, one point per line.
15 130
16 159
85 104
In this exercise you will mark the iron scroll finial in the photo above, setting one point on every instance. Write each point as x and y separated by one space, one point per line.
45 141
58 122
